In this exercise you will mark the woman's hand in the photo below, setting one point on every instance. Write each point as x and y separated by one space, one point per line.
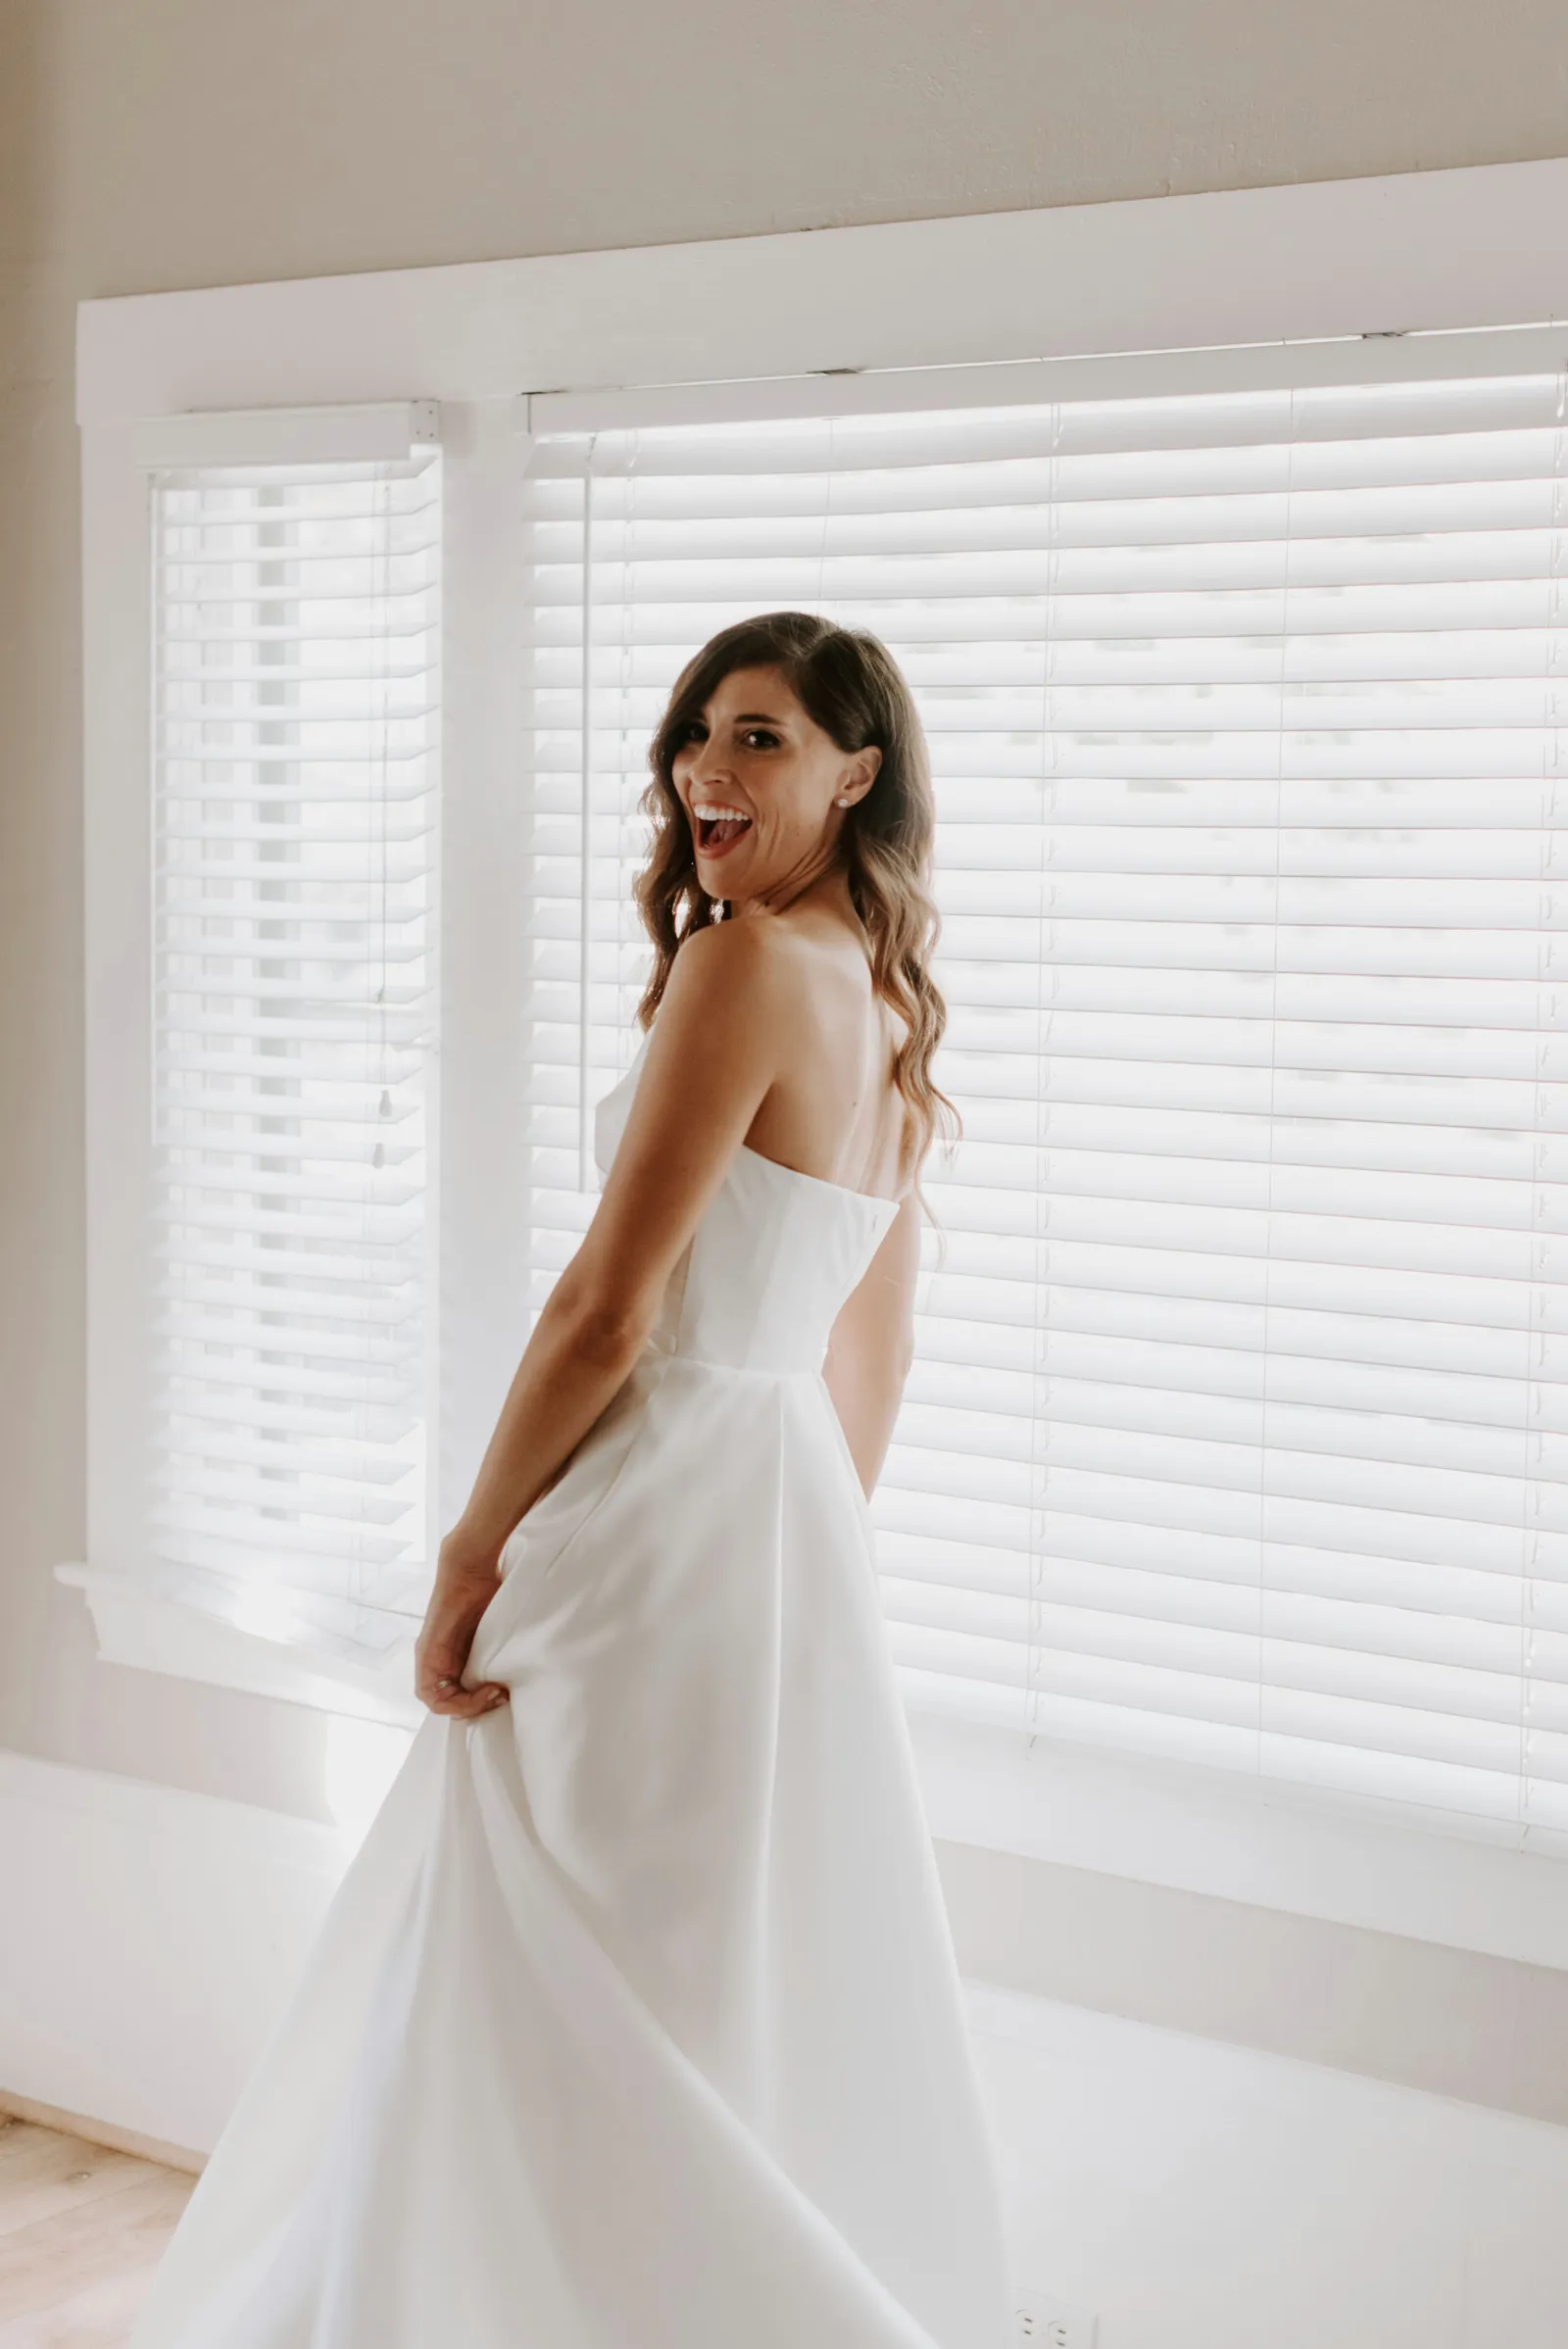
464 1589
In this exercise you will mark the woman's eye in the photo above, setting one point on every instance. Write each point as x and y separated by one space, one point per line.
692 730
761 735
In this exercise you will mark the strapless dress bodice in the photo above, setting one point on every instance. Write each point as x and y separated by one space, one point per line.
763 1278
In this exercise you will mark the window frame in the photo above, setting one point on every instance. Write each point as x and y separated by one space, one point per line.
1416 253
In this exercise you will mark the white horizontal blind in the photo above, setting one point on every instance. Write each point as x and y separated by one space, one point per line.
295 669
1239 1432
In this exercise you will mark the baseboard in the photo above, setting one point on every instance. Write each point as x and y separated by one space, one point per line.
102 2132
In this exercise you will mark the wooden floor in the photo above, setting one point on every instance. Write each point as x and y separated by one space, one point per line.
80 2233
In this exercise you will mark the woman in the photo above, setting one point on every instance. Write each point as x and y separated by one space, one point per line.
635 2024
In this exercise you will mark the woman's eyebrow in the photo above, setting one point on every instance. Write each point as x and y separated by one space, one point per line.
755 717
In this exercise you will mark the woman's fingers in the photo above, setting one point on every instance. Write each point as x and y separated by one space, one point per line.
438 1684
464 1704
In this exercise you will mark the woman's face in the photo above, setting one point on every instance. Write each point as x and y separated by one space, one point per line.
762 786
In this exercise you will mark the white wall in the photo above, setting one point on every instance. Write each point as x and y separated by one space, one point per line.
1192 2197
150 1936
1202 2197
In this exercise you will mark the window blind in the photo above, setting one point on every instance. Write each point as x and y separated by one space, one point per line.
295 675
1237 1432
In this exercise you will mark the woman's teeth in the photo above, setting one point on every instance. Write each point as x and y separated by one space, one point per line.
720 827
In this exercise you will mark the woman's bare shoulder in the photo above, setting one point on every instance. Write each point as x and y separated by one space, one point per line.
750 964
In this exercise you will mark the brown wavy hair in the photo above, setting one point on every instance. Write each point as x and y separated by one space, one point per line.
850 684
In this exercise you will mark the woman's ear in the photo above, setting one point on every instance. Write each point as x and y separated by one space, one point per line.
861 778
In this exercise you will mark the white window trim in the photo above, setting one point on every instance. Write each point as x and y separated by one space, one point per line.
1415 253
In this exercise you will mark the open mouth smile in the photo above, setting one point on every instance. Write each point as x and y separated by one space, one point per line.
718 826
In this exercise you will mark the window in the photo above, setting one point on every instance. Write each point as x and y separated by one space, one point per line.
1239 1432
294 1006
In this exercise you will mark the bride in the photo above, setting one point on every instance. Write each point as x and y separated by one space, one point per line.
635 2022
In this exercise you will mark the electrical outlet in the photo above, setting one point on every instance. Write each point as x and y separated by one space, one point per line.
1043 2323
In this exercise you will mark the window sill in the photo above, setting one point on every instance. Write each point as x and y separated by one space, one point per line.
1271 1845
150 1631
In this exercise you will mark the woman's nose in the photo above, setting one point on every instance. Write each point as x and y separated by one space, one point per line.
706 765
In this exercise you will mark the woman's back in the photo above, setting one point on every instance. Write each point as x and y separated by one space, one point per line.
835 1111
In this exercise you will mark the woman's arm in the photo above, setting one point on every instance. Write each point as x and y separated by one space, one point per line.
711 1059
873 1344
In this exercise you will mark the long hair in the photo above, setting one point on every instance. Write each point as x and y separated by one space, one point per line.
848 683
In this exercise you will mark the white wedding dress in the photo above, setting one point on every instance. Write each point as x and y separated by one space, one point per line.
635 2022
